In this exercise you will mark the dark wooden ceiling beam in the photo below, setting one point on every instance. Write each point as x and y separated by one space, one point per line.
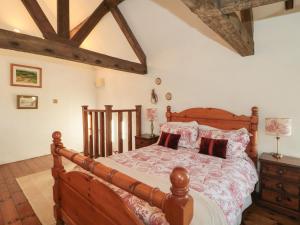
228 26
229 6
63 18
289 4
80 32
26 43
247 20
40 19
127 31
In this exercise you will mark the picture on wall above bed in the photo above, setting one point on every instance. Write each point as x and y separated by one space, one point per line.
27 102
25 76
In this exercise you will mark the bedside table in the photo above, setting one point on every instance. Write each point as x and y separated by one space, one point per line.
280 184
145 140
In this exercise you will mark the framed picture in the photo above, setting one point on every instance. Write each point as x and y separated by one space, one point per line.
25 76
27 102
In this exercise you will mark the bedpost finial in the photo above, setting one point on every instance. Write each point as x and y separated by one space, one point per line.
180 182
168 113
255 111
57 139
168 108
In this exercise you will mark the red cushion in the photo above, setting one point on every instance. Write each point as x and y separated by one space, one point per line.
214 147
169 140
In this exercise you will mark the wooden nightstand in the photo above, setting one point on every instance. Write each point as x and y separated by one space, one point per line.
280 184
145 140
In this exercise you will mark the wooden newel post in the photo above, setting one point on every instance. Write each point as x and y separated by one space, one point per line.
179 205
57 169
108 130
85 130
138 120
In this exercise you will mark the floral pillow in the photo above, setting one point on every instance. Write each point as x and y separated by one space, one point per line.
188 132
237 140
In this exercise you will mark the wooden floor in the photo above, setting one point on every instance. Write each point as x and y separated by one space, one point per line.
16 210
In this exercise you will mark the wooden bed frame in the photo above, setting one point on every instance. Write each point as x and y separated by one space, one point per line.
80 199
221 119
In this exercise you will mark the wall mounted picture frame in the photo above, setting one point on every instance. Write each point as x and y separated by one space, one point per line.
25 76
27 102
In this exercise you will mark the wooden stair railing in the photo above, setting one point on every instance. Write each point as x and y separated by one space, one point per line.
177 205
97 129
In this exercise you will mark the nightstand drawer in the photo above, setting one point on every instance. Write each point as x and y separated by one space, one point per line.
280 199
145 140
142 142
281 186
281 171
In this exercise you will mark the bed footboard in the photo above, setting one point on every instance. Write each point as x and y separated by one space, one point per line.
80 199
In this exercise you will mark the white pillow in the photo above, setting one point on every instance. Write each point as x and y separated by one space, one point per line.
237 140
187 130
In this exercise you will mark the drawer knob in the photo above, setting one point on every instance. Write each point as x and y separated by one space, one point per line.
279 185
280 171
278 199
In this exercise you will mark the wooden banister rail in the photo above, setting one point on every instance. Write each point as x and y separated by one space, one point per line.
177 206
97 129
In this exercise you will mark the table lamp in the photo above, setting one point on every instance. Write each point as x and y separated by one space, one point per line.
151 116
278 127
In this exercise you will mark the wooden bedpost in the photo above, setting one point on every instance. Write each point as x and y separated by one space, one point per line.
253 129
56 170
138 120
179 205
108 130
168 113
85 130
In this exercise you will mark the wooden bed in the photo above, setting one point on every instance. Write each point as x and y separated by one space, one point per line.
82 200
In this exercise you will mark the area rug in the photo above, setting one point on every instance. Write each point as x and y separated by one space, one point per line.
37 188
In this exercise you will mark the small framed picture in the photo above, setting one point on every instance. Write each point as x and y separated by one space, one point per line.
25 76
27 102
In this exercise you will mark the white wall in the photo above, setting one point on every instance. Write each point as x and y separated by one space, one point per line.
199 71
27 133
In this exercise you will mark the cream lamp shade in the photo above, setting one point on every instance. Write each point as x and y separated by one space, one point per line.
278 127
151 114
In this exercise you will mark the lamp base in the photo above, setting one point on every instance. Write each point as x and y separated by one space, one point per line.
277 155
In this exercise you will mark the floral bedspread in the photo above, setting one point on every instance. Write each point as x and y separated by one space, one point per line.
226 181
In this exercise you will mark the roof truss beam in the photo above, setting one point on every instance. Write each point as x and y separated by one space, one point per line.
65 43
26 43
40 19
247 20
229 6
63 18
126 31
228 26
289 4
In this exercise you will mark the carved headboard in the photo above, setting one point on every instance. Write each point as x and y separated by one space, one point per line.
223 120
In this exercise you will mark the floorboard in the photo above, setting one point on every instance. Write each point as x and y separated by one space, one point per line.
16 210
